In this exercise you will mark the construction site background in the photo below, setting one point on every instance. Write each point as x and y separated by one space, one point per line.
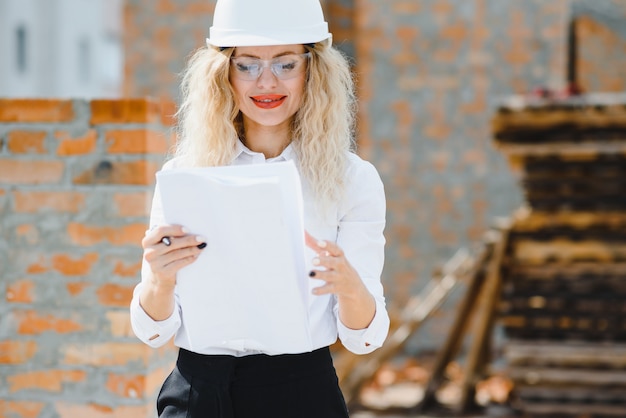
76 175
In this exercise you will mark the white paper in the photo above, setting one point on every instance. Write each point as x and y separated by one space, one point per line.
248 290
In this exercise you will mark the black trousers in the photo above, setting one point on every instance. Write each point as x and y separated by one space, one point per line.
257 386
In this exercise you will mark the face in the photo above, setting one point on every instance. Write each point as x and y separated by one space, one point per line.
268 100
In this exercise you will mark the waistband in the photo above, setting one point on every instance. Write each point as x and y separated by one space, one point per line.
255 368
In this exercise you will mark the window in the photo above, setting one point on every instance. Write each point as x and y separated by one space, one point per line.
84 60
21 40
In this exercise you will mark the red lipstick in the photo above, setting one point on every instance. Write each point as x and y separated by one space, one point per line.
268 101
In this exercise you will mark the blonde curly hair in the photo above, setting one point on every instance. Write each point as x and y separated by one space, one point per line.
210 124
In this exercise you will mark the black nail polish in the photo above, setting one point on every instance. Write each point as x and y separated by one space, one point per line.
202 246
312 273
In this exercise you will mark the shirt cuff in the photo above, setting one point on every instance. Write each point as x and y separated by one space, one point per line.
154 333
364 341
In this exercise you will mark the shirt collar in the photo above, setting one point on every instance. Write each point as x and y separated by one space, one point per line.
244 153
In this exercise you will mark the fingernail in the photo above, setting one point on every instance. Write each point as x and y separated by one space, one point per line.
200 238
312 273
185 230
321 244
202 246
316 261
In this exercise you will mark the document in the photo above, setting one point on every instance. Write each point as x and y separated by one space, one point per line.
248 290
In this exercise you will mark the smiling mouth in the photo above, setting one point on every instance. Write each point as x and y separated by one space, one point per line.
268 101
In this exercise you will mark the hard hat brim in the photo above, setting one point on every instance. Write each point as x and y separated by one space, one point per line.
233 38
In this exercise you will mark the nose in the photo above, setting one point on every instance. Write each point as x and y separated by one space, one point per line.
267 78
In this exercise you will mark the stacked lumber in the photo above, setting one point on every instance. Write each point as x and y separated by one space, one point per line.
563 294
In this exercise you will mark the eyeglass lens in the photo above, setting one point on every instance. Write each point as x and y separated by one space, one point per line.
283 67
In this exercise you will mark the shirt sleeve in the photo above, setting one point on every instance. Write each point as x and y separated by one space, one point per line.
154 333
360 235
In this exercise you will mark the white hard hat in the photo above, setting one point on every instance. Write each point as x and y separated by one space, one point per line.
267 22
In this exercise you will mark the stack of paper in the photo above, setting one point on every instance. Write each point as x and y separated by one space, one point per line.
248 290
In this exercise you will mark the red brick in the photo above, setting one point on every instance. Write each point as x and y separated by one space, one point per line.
69 145
112 294
437 131
20 292
518 56
40 266
199 8
126 386
70 266
405 7
139 172
168 112
155 379
456 32
130 234
20 409
27 142
407 34
36 110
165 7
48 380
31 323
136 141
106 354
131 205
28 232
42 201
30 172
76 288
120 323
125 111
17 352
124 270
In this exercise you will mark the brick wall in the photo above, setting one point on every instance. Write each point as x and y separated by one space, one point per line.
75 186
601 58
430 74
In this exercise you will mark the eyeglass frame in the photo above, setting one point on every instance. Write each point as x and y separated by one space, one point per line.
266 64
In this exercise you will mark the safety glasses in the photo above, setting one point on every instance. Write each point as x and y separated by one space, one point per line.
283 67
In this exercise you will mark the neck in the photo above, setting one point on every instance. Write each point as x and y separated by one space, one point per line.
269 140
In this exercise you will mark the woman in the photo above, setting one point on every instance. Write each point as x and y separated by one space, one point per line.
270 87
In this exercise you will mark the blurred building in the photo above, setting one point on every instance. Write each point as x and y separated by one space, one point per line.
60 48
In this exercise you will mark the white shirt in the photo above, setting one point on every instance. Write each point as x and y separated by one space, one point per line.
355 223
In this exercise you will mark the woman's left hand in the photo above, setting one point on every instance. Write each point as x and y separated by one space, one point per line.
356 304
340 277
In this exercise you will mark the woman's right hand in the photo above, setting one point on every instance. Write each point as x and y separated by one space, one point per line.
166 260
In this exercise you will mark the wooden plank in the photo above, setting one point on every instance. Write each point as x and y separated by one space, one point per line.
527 220
569 149
477 355
575 409
572 393
539 252
571 271
565 304
572 354
540 120
565 376
458 328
